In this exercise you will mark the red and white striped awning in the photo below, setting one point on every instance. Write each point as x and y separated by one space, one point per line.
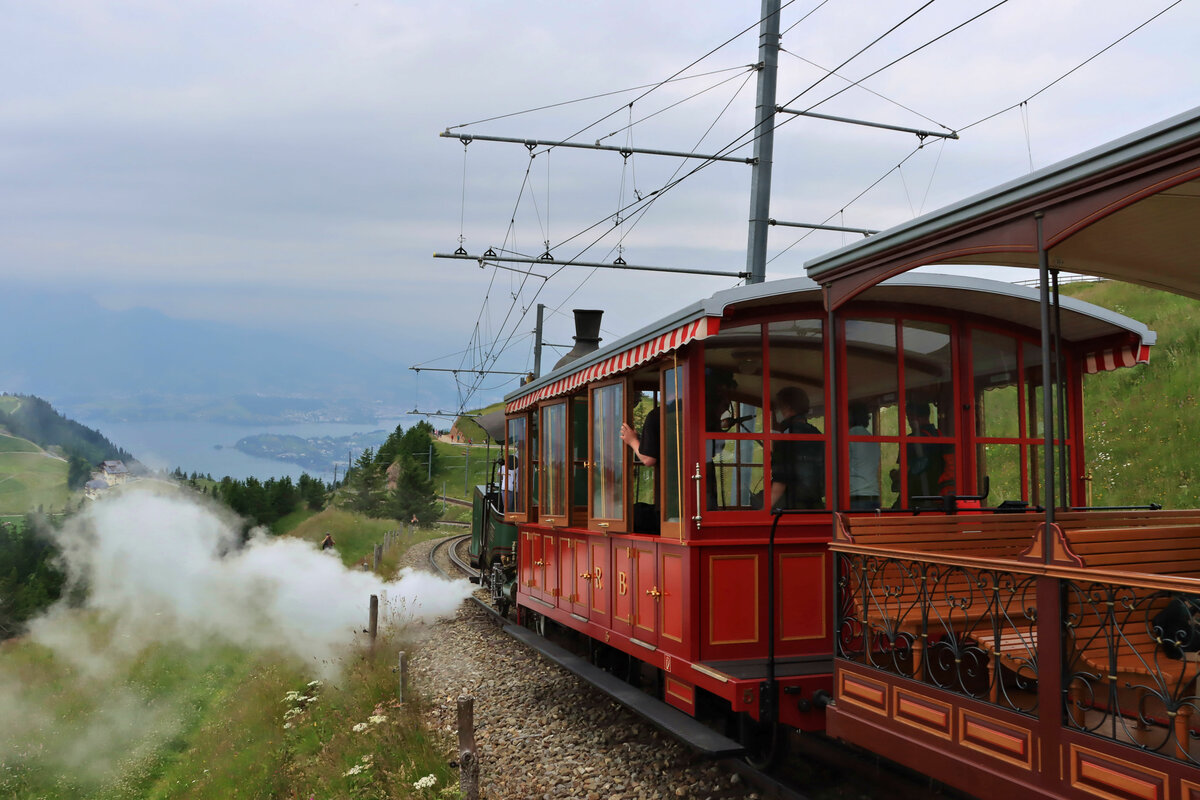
1118 357
625 360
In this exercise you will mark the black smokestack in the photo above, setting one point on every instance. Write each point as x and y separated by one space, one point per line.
587 334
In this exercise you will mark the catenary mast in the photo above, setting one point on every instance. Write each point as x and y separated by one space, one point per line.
764 142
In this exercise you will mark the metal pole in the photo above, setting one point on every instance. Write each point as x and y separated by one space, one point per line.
467 473
537 342
764 142
429 469
1060 387
1047 383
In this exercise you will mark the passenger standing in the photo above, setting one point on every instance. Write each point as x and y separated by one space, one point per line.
864 462
797 467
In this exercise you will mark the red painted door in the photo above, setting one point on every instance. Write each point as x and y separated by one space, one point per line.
648 594
550 584
600 576
623 587
531 561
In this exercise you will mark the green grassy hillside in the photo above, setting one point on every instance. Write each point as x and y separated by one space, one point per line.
30 477
1142 424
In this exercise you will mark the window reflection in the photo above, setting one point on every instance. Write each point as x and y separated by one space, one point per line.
511 483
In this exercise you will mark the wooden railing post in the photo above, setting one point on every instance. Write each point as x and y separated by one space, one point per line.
373 629
468 762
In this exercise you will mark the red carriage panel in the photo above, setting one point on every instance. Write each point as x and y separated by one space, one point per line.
732 604
803 611
673 576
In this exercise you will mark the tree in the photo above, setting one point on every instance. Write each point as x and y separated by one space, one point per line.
414 495
366 485
312 491
78 472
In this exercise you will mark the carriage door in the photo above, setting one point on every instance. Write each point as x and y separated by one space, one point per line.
635 590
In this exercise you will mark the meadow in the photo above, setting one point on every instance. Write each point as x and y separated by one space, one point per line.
30 477
92 714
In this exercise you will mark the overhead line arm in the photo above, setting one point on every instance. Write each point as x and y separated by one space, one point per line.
624 151
901 128
816 227
618 264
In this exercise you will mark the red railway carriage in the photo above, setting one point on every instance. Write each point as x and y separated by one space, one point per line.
1040 654
682 565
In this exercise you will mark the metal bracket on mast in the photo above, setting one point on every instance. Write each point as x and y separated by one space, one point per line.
546 258
917 131
622 150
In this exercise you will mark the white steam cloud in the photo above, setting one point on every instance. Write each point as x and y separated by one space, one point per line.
166 568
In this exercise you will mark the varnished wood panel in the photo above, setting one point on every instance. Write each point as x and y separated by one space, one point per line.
1009 743
1112 778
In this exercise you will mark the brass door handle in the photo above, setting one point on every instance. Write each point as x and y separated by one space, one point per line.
654 592
539 563
587 575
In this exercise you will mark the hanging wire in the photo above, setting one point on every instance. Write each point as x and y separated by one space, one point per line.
1025 125
1074 69
600 96
910 53
866 89
933 172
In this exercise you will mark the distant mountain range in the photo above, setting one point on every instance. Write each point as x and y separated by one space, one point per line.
141 365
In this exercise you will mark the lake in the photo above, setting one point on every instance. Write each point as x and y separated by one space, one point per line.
193 446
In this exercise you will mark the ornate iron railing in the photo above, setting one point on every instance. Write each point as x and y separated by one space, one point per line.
967 630
1127 676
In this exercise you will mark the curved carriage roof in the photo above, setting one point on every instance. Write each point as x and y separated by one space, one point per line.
1128 210
1120 341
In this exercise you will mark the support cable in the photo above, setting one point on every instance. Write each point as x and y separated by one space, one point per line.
1074 69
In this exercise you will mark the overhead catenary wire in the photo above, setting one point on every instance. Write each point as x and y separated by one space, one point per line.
635 211
1073 69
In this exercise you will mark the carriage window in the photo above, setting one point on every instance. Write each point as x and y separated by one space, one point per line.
927 372
797 403
579 457
608 453
733 410
671 447
736 472
871 376
554 462
997 390
512 482
873 411
733 385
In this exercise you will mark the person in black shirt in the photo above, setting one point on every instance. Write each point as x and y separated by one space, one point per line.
797 467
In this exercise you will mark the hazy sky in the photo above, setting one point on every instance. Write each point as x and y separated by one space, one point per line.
277 163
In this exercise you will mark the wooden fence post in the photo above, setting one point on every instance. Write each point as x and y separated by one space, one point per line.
374 628
400 667
468 762
378 556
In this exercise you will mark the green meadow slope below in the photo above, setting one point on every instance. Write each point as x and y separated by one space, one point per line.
1142 424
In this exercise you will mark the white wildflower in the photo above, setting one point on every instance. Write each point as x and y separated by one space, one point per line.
355 770
375 719
360 727
314 684
287 726
428 782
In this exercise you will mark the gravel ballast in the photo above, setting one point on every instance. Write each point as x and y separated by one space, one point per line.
541 732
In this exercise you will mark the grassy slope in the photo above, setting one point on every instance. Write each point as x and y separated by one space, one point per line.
219 714
1142 424
30 477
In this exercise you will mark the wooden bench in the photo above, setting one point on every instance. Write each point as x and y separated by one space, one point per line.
1140 544
979 537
